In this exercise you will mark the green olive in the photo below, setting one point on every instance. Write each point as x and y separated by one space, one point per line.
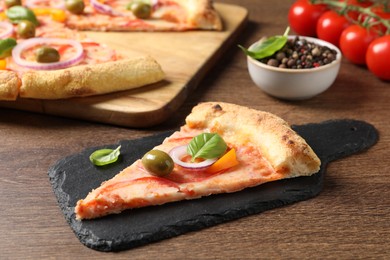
141 10
75 6
158 162
47 55
26 29
10 3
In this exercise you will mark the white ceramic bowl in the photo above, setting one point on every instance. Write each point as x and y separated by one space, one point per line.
295 84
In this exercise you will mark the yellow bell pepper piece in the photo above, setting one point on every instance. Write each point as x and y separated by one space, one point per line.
3 16
3 64
56 14
227 161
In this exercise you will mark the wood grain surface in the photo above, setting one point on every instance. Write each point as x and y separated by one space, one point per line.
184 57
350 219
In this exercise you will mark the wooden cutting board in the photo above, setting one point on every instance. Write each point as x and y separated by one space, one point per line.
184 56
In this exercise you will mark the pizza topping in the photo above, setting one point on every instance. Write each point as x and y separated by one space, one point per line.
202 151
26 29
227 161
47 55
105 156
10 3
104 9
75 6
3 64
140 9
182 158
76 57
44 3
158 162
19 13
6 30
56 14
206 146
6 46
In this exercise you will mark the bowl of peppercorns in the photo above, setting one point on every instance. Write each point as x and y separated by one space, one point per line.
297 68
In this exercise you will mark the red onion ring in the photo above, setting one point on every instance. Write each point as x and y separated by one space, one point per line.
104 9
180 151
18 49
50 3
8 29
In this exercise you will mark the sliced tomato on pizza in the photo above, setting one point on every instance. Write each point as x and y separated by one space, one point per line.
222 148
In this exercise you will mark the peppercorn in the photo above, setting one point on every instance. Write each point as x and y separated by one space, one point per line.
280 55
290 63
273 62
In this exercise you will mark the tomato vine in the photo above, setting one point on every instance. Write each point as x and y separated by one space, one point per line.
367 17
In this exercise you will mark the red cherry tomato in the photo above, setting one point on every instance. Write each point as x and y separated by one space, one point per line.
303 17
330 25
354 41
377 57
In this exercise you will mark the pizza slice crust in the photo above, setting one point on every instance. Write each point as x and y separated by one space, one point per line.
201 14
88 80
9 85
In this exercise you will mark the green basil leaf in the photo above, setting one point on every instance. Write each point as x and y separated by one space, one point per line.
267 47
6 46
18 13
105 156
206 146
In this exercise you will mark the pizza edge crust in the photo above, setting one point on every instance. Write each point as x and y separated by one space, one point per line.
9 85
88 80
288 152
203 15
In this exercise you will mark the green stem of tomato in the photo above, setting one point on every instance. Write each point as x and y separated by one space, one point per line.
342 8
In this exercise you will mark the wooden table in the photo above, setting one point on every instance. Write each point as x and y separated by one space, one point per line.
349 219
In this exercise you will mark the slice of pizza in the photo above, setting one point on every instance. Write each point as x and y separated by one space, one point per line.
62 63
132 15
146 15
222 148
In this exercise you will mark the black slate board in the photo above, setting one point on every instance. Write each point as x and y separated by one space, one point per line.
74 176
